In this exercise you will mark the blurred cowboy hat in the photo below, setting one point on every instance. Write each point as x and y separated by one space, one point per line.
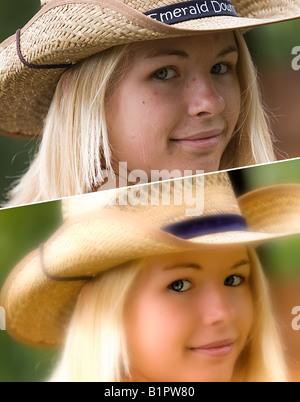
104 230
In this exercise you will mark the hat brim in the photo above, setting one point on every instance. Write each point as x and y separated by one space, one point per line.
39 296
78 29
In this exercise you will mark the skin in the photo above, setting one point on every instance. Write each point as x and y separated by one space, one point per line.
182 304
177 105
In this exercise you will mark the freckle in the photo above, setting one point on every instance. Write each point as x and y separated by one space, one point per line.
144 102
216 38
194 79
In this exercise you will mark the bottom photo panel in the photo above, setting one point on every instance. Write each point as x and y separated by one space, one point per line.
190 280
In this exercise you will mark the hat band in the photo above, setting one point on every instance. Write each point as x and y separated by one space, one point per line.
191 10
207 225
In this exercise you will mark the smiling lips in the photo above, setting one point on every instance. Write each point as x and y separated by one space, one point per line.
216 349
203 140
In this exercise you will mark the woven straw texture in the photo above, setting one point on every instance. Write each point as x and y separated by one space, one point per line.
212 194
97 236
68 31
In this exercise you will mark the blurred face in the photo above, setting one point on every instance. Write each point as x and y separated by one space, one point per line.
177 105
189 316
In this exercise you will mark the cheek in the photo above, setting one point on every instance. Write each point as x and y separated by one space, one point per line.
232 95
146 315
157 333
235 101
157 115
244 311
146 105
139 113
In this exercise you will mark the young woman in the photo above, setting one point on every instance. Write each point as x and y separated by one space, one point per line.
152 90
136 290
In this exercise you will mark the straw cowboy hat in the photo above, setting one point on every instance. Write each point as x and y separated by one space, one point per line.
65 32
104 230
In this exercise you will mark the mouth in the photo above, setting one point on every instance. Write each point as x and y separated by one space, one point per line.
204 140
216 349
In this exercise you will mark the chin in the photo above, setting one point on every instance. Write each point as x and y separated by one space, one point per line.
208 164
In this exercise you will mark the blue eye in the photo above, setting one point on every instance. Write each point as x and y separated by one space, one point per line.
220 68
180 285
166 73
234 280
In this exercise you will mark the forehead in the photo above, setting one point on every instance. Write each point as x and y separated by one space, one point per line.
224 257
214 42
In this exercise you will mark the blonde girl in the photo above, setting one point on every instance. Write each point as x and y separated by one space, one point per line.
140 291
100 327
159 97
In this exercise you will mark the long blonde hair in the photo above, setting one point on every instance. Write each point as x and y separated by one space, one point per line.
75 147
252 141
95 349
263 358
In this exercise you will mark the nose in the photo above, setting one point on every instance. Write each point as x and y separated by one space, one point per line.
203 97
214 305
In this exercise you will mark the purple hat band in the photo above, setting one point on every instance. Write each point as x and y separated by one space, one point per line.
207 225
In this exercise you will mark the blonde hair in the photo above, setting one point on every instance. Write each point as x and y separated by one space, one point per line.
263 358
252 141
96 349
75 148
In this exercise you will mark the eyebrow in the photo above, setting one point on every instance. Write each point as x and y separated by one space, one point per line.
183 55
229 50
166 52
185 265
240 264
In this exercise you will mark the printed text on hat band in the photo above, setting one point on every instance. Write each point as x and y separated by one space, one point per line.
189 10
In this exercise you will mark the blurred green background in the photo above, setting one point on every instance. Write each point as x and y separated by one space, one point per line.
23 229
280 259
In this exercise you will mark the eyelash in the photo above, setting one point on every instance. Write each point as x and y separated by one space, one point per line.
229 67
178 281
154 75
242 279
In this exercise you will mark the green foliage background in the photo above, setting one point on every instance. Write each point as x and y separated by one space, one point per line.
23 229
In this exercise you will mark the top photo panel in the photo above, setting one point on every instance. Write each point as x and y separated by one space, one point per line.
100 94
